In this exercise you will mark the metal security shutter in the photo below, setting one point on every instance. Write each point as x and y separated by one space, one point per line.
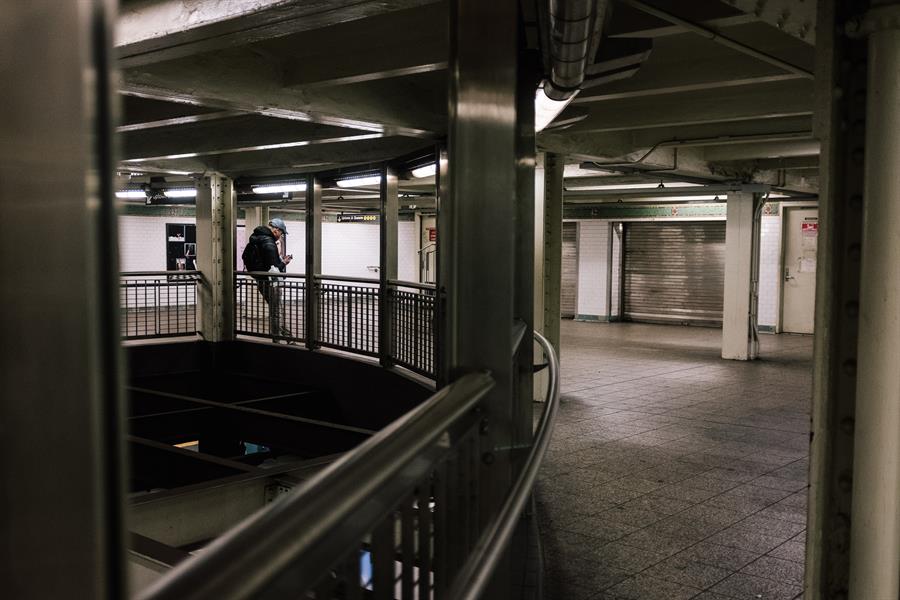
569 270
674 272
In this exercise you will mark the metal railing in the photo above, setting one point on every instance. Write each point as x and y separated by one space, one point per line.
158 304
413 311
348 315
395 518
270 305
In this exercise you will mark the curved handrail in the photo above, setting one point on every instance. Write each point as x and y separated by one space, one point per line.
481 563
297 530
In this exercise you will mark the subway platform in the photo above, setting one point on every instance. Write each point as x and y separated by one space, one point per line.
674 474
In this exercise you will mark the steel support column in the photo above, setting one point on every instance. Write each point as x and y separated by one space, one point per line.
737 329
483 241
553 218
216 210
60 364
540 378
444 229
313 258
875 535
840 125
387 260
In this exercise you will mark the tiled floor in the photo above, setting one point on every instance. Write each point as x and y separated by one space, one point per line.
674 474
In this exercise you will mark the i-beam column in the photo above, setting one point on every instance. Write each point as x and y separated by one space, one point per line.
484 242
215 256
313 258
840 125
387 270
875 539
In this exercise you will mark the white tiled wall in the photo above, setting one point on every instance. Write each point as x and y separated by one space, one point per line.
347 248
769 270
592 265
142 242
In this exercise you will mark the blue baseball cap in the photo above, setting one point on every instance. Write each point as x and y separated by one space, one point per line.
278 224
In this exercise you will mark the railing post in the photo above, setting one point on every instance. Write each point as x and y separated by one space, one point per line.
387 260
313 258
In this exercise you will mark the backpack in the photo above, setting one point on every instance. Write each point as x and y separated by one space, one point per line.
252 259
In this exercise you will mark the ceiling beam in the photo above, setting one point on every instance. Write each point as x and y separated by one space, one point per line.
179 121
684 86
797 19
384 62
719 38
240 132
762 150
766 101
245 81
152 31
322 156
667 30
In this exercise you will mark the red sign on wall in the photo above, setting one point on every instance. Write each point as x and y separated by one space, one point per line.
432 234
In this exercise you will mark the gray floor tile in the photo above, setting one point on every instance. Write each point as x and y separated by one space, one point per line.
795 551
741 585
724 557
666 449
687 572
644 587
776 569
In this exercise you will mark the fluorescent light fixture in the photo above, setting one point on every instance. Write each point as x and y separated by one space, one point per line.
182 193
279 188
359 181
546 109
136 194
426 171
630 186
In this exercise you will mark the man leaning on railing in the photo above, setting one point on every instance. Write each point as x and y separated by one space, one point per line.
261 254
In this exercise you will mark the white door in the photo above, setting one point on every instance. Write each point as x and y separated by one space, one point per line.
799 269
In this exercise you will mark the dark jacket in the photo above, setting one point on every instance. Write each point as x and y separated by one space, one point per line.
264 241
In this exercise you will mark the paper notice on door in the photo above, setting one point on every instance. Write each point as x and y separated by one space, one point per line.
807 265
809 233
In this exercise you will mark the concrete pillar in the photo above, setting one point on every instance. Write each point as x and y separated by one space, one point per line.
875 539
313 258
737 330
215 256
387 270
61 414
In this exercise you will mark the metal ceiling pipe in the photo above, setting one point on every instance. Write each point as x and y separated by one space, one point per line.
574 36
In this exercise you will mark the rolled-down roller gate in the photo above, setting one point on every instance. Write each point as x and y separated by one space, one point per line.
569 269
674 272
